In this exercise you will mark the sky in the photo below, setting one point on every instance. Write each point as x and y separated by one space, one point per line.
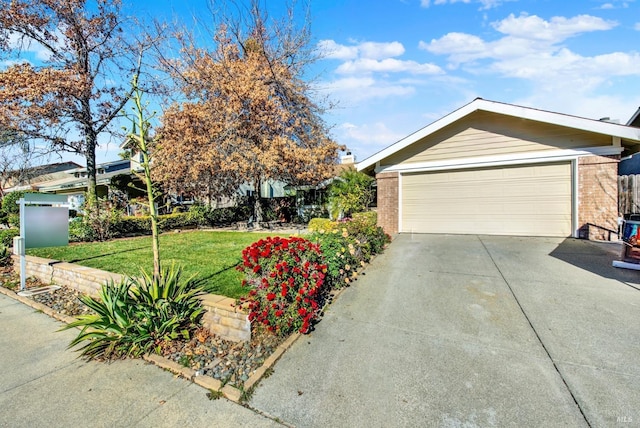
394 66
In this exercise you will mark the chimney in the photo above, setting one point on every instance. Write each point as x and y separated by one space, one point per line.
348 159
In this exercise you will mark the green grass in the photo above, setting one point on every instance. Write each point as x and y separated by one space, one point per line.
211 256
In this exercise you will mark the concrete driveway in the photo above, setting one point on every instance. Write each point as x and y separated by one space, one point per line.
465 331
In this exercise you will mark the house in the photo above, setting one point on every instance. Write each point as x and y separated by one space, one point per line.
630 165
502 169
75 185
27 179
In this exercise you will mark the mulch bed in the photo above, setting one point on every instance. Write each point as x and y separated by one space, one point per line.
230 362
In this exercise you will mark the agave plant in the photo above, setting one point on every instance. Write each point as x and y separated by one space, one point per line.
133 316
5 256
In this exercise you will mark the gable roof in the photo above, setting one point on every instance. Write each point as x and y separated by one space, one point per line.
635 119
628 134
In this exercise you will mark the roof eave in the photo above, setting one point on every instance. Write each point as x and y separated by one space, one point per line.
624 132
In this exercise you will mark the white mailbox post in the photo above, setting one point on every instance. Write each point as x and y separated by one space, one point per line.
44 222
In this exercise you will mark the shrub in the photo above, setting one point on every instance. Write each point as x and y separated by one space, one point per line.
372 238
341 253
10 209
322 224
132 225
7 235
351 192
222 216
176 221
101 216
199 214
80 231
349 245
287 280
137 315
5 256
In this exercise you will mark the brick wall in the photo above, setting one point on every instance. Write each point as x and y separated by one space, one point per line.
598 197
221 316
388 201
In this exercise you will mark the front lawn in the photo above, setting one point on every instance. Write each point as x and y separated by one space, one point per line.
211 256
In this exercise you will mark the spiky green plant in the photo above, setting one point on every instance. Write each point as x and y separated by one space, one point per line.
5 256
132 317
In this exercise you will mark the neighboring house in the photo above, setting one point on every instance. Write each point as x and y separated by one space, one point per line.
630 165
29 178
502 169
73 182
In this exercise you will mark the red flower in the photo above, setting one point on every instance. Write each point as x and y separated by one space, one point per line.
271 296
302 312
256 268
279 313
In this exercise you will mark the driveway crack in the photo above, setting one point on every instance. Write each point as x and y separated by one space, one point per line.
533 328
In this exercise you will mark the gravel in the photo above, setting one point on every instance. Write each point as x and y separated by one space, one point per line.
230 362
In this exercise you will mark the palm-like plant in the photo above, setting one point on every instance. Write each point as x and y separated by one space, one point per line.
132 317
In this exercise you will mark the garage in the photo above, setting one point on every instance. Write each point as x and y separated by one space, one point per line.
530 200
502 169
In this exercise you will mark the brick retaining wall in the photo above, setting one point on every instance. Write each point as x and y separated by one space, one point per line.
221 316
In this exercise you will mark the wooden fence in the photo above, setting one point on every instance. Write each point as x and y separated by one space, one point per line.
629 194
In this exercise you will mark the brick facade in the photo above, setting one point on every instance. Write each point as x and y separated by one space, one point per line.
388 201
598 197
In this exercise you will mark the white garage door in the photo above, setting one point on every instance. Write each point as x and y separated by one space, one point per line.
531 200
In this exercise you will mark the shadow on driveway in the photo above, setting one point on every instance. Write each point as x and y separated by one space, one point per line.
595 257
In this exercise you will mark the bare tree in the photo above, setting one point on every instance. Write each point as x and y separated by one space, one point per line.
74 91
250 116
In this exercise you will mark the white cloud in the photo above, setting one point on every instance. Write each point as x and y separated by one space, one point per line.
637 26
530 45
331 50
485 4
555 30
27 45
389 65
373 57
367 138
614 4
369 50
357 89
372 50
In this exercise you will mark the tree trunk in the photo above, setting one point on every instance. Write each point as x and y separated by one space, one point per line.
90 157
257 205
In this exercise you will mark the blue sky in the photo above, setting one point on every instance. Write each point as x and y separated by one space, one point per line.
394 66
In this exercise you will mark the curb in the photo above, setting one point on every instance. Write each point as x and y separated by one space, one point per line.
37 306
230 392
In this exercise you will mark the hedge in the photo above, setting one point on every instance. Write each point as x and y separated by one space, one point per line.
7 235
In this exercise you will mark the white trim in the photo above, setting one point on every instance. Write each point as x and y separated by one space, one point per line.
575 197
511 159
628 133
399 202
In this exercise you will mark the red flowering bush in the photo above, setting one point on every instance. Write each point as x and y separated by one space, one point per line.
287 280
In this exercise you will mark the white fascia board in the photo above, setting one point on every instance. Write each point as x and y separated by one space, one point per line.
576 122
515 159
600 127
416 136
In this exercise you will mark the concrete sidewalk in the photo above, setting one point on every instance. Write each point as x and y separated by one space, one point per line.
470 331
43 384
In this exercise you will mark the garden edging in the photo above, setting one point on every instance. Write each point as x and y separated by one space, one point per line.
230 392
221 316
